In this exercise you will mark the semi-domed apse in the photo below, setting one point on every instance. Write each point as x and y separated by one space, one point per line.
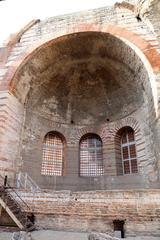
83 78
81 82
79 122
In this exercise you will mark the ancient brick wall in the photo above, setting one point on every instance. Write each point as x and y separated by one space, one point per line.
96 210
122 42
121 22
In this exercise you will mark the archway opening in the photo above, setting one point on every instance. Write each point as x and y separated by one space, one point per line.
119 228
79 81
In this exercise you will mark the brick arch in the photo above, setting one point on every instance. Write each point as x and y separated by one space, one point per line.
56 131
86 130
151 54
130 122
148 55
54 127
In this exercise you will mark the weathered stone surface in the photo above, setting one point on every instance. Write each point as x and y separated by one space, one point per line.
87 68
96 210
101 236
91 72
21 236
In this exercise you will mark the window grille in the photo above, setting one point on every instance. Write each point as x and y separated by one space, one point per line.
52 159
128 152
91 157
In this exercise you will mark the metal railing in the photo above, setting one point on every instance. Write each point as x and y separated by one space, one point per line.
24 181
12 193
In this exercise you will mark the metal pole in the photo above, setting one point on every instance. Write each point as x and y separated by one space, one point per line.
5 181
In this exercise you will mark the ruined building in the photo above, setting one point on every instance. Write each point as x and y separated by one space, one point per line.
79 119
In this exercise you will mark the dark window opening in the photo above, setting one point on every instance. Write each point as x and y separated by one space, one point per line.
119 227
31 217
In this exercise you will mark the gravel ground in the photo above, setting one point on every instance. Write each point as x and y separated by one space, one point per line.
5 235
59 235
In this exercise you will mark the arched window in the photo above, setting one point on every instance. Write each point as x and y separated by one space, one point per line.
53 154
128 151
91 157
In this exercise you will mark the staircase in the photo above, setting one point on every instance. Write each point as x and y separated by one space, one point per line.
16 208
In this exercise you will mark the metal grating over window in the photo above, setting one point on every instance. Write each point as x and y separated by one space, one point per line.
128 151
91 157
52 160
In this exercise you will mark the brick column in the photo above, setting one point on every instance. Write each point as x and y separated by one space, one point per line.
11 118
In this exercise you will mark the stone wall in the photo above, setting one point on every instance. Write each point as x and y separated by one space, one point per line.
32 155
43 53
97 100
119 21
96 210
